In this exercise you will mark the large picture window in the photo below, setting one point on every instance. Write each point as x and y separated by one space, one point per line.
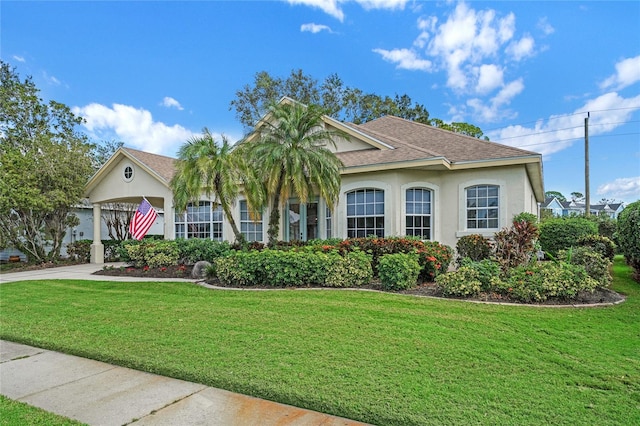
418 213
482 206
199 221
251 230
365 213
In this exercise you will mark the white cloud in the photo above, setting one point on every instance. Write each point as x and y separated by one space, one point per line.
19 58
332 7
404 59
545 26
495 108
627 73
135 127
329 7
51 79
489 78
621 189
314 28
559 132
170 102
522 48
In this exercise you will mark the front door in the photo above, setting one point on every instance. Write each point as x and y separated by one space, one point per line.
302 220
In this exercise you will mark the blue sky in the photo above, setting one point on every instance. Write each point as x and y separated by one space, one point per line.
152 74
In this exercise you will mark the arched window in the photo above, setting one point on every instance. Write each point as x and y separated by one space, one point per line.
483 206
199 221
365 213
418 213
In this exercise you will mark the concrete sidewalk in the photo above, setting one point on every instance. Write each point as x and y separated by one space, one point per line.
102 394
77 272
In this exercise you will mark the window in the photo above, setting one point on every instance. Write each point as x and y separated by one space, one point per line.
418 214
199 221
328 222
127 174
251 230
365 213
482 207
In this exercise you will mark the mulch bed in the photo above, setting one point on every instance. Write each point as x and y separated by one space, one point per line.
599 296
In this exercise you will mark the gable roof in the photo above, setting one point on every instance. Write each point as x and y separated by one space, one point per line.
160 166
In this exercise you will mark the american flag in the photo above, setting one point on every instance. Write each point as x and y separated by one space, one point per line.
142 220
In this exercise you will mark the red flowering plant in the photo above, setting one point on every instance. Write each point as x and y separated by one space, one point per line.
434 259
145 268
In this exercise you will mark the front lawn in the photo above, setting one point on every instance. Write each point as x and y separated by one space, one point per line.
374 357
18 413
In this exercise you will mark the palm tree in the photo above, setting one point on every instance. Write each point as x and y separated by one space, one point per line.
292 157
204 166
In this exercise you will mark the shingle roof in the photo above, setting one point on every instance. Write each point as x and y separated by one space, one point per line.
162 165
415 141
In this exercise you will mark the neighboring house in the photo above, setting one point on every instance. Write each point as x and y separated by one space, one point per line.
399 178
572 208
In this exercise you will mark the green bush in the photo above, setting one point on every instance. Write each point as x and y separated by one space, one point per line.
152 253
600 244
277 268
540 281
474 247
562 233
80 250
352 270
629 235
434 259
596 265
398 271
193 250
527 217
112 250
465 282
488 272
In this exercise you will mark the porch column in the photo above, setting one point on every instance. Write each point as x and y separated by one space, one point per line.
169 226
97 248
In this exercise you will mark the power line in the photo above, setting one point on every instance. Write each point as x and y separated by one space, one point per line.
577 138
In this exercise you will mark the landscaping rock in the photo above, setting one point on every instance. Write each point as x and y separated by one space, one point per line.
199 269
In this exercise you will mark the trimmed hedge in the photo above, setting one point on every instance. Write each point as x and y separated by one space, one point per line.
562 233
193 250
398 271
629 235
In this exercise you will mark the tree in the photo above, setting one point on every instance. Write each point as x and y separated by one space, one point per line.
291 156
556 194
44 165
339 102
577 196
215 169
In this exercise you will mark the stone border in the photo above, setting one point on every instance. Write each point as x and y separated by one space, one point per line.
482 302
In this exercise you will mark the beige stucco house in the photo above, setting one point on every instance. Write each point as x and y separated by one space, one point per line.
399 178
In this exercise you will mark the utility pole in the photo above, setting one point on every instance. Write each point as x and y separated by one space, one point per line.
587 210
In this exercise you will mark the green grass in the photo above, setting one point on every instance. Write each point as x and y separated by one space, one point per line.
14 413
380 358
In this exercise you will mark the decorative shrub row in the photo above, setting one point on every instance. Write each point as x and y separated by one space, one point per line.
153 254
434 258
535 282
398 271
277 268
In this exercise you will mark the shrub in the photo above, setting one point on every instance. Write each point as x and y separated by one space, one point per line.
540 281
596 265
112 250
152 253
240 269
488 272
193 250
562 233
464 282
434 259
474 247
527 217
80 250
515 245
629 235
600 244
352 270
398 271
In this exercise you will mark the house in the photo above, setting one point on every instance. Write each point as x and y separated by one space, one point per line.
573 208
399 178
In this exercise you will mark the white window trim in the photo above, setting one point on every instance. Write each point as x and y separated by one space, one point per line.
462 207
340 229
125 165
435 206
